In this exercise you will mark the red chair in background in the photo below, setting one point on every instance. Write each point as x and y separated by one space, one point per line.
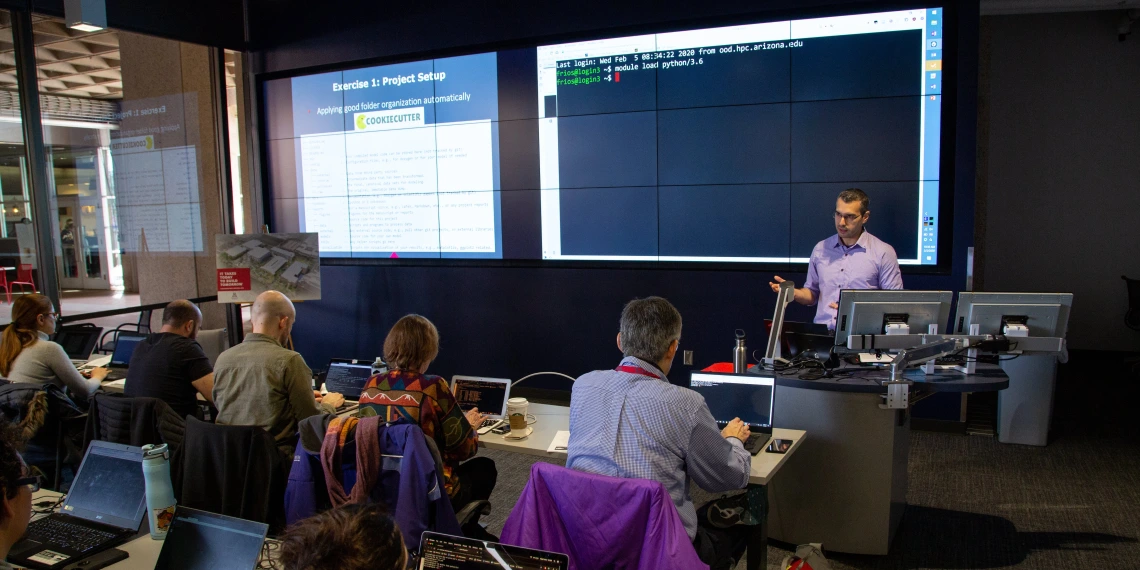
23 278
4 283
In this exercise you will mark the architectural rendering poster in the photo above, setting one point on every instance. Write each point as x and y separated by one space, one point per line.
251 264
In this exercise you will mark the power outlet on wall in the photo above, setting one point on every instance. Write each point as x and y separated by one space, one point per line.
687 357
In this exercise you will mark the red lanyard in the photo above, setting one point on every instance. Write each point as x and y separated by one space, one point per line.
637 370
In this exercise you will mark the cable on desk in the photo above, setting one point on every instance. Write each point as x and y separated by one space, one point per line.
540 373
268 558
48 506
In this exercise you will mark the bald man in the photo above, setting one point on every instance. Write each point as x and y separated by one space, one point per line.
261 383
170 365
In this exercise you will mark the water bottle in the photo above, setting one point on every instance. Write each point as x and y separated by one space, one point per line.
159 491
739 354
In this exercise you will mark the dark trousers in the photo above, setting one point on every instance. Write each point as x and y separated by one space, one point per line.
720 548
477 478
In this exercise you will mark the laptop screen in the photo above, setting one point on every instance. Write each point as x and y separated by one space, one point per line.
446 552
743 396
347 379
109 487
488 394
124 349
199 540
78 342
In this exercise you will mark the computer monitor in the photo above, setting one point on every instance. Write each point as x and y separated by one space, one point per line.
447 552
749 397
868 312
1045 314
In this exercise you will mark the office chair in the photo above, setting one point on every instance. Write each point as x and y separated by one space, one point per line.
141 327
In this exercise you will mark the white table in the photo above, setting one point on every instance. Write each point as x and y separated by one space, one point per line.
551 419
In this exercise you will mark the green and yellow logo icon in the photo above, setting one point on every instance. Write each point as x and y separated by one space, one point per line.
149 142
360 126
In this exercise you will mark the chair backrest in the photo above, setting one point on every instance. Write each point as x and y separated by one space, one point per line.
232 470
24 273
214 342
599 521
133 421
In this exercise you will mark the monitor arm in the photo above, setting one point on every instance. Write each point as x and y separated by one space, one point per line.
918 355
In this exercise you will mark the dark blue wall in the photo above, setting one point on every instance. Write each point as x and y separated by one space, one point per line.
507 321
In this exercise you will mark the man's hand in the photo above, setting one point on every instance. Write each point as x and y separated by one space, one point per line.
738 429
833 305
333 399
475 418
776 286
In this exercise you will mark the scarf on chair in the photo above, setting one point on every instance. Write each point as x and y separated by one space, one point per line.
368 460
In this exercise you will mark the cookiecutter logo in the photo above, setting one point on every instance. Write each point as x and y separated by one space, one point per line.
391 119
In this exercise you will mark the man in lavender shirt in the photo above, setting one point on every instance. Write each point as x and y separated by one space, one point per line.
851 259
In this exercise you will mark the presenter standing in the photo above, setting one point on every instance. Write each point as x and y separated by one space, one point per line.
850 259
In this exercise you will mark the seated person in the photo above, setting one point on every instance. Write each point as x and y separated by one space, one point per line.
170 365
406 393
351 537
631 422
17 492
261 383
26 354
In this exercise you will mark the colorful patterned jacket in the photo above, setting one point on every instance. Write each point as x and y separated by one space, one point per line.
426 401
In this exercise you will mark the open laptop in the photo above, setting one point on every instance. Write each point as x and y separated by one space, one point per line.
446 552
746 396
490 395
121 357
200 540
104 508
347 377
78 342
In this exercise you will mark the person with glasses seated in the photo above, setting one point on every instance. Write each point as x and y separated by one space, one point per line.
18 487
27 354
850 259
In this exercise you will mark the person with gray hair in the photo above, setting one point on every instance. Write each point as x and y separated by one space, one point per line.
261 383
632 422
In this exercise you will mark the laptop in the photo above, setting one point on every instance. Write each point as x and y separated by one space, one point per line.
200 540
490 395
446 552
347 377
78 342
104 508
121 357
749 397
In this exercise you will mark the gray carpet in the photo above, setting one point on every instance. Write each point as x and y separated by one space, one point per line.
976 503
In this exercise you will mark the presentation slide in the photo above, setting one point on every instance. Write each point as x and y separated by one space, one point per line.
731 144
712 145
391 161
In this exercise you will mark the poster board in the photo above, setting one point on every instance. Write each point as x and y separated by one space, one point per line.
250 264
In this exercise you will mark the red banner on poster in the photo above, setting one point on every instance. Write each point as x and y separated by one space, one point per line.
236 279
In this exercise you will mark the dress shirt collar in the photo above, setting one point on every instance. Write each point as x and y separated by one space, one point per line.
861 242
644 365
258 337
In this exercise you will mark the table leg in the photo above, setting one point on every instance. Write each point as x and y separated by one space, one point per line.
758 533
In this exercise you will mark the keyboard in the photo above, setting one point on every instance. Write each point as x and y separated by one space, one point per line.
53 531
756 442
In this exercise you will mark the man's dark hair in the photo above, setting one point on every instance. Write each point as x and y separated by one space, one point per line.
178 312
854 194
351 537
648 327
11 465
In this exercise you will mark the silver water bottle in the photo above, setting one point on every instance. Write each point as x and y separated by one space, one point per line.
739 354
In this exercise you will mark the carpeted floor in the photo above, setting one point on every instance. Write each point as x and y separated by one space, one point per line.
976 503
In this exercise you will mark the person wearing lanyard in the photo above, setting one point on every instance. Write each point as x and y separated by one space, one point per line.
632 422
850 259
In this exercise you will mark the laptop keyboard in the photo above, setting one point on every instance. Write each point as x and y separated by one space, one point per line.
69 535
756 442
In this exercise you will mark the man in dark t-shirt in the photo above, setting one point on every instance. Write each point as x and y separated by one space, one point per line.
170 365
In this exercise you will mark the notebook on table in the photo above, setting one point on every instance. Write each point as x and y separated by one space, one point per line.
749 397
104 508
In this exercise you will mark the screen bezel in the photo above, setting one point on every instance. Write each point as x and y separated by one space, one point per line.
455 380
117 451
948 139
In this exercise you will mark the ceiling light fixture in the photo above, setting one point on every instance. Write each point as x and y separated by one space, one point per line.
85 15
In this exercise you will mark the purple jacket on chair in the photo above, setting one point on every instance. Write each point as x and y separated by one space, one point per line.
600 522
